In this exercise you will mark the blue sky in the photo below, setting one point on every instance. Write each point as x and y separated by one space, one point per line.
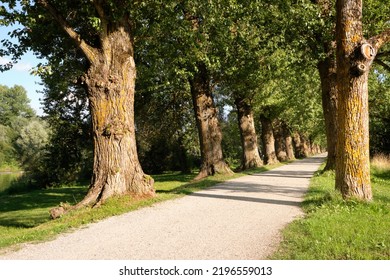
20 75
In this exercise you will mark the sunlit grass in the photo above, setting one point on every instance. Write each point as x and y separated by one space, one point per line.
337 229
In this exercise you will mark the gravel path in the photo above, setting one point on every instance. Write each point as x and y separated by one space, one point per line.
238 219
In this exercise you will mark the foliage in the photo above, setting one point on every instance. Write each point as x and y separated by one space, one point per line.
379 101
31 144
14 103
15 117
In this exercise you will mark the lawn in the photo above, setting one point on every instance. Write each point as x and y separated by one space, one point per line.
334 229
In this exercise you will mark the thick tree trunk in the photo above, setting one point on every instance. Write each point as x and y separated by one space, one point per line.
250 152
288 141
210 134
301 147
353 63
305 145
280 142
110 84
327 70
267 135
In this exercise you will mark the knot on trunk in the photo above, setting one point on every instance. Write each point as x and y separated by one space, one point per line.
363 57
115 128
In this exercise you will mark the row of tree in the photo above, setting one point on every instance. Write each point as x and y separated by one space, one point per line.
257 57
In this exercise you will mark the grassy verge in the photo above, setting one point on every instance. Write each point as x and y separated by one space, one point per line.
336 229
24 217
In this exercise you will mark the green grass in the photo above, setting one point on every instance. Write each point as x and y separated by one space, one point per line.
334 229
24 217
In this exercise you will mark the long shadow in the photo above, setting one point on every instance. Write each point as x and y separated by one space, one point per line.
249 199
234 186
12 207
174 177
286 173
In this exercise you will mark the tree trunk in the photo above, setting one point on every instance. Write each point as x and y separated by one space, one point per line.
267 136
353 62
280 142
250 152
210 135
110 84
289 142
327 70
300 143
305 145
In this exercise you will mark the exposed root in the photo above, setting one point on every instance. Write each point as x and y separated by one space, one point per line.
61 210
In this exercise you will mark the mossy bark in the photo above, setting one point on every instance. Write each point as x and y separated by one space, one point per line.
353 162
210 134
250 152
267 136
110 84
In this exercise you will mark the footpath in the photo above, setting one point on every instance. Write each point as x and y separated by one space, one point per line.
237 219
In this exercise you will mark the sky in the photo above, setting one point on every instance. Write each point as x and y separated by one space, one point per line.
20 75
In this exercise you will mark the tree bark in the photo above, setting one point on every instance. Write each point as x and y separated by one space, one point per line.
210 134
250 152
280 142
353 163
305 145
300 144
267 136
328 77
289 142
110 83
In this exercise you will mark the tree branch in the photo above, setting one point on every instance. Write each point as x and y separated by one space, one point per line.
382 54
379 40
100 10
383 64
88 51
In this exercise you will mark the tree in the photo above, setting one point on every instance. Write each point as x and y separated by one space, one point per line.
250 152
210 134
355 55
15 113
100 34
31 144
198 22
14 103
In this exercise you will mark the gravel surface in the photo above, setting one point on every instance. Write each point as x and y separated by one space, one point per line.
238 219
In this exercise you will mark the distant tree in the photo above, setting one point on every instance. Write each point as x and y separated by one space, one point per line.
7 150
14 103
15 113
31 144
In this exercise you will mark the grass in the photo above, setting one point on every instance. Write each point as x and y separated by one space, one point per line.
334 229
24 217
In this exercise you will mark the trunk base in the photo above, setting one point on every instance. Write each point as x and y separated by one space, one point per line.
96 196
211 170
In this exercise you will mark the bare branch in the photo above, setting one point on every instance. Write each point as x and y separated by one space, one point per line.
379 40
100 10
88 51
